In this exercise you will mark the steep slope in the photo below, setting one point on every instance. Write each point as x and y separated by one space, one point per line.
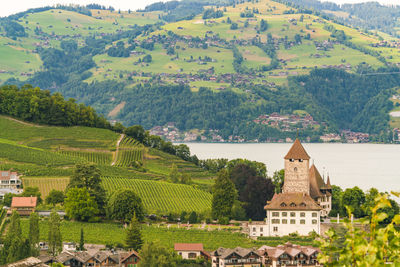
46 155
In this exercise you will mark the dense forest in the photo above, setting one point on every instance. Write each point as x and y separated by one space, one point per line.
40 106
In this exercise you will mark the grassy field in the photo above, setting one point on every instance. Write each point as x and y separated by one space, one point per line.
113 233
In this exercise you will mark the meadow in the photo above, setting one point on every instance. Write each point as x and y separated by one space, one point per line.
114 233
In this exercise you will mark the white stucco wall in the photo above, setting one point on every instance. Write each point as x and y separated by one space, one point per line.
282 229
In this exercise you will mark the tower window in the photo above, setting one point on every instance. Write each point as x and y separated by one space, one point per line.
295 169
300 160
291 160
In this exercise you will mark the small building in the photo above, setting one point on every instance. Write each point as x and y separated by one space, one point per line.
235 257
23 205
190 251
130 259
9 180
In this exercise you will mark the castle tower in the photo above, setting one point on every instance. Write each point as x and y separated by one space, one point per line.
297 170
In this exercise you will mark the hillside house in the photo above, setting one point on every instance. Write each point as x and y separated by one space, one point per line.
23 205
9 180
189 251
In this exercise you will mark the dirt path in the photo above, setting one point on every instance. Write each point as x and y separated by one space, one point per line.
116 151
22 122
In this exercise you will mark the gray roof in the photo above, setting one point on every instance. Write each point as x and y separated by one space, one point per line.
28 262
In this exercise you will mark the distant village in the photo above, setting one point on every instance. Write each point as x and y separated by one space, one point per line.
284 123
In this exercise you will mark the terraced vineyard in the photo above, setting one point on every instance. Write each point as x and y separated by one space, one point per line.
162 197
130 150
46 184
101 158
126 157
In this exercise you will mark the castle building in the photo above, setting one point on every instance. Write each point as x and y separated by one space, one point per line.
305 198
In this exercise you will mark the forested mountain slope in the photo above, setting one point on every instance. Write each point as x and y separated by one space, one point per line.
215 72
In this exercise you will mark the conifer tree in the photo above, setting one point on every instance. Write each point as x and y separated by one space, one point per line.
224 195
34 234
134 235
13 242
55 241
82 241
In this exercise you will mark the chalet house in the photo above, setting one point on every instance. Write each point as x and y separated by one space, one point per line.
130 259
235 257
23 205
289 255
75 259
190 251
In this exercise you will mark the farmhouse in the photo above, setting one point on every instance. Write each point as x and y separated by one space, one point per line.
190 250
23 205
304 199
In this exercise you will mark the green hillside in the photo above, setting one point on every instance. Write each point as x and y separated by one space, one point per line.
249 52
46 156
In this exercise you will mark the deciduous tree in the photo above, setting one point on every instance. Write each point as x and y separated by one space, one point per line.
124 204
80 205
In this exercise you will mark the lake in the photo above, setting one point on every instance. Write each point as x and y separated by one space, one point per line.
348 165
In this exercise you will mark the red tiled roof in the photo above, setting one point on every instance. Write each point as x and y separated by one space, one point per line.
23 202
292 201
188 246
297 151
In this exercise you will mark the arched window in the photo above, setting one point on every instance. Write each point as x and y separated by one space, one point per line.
302 204
293 204
283 204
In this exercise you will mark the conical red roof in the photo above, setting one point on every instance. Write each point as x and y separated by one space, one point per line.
297 151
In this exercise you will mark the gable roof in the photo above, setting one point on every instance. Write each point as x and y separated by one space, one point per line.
128 255
28 262
188 246
297 151
292 201
23 202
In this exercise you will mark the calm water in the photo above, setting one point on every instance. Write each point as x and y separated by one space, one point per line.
348 165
